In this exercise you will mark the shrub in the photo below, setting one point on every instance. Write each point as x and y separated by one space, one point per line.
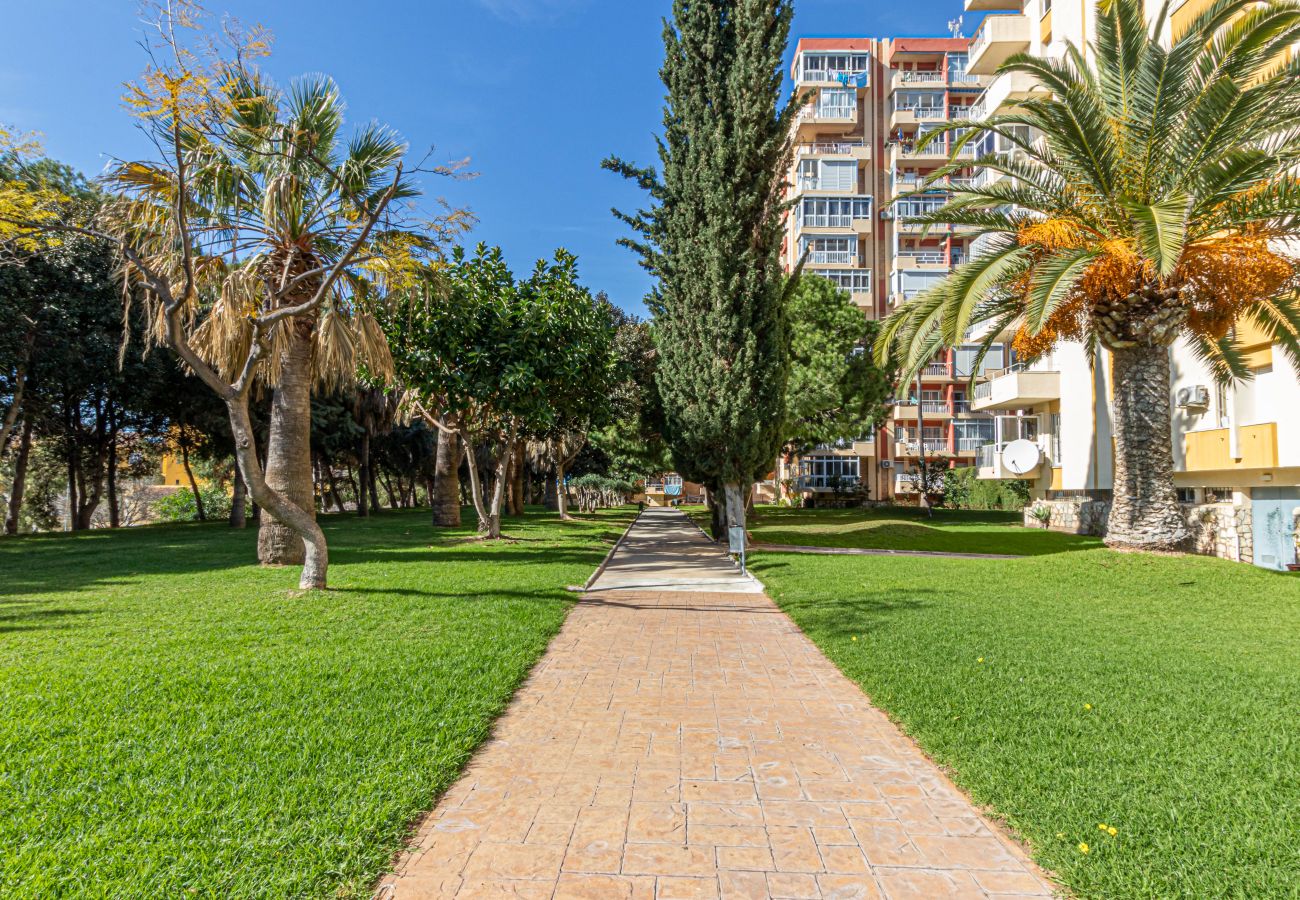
964 490
179 506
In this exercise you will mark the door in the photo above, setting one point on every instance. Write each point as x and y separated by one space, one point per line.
1273 521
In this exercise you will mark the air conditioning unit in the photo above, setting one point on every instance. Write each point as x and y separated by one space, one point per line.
886 464
1196 397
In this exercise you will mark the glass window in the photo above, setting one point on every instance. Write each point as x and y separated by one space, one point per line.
837 103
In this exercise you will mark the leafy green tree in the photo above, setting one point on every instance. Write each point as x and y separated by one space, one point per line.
581 367
1151 198
632 442
470 352
712 237
837 392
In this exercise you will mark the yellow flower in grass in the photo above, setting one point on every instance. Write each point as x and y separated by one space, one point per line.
1112 831
1087 706
981 659
855 637
1083 848
1102 826
1060 835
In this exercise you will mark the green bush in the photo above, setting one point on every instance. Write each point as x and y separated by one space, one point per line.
179 506
964 490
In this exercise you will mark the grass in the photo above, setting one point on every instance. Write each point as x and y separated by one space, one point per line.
178 722
1076 687
901 528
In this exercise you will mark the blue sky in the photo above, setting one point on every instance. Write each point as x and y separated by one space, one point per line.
535 92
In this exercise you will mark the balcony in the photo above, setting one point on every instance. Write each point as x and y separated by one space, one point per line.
1008 430
849 149
924 261
1212 451
828 115
827 483
904 78
930 409
936 151
833 258
912 449
1018 389
1004 92
913 114
998 38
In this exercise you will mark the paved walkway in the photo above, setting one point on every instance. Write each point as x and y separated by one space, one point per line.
685 740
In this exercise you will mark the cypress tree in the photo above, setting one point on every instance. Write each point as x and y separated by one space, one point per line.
712 237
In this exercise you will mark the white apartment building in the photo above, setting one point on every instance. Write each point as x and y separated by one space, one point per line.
1236 448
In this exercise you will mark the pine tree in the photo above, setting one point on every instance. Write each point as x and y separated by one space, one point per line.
712 237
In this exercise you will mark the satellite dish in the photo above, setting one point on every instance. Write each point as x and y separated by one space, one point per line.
1021 457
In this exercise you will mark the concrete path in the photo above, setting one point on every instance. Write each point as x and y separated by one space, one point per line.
687 740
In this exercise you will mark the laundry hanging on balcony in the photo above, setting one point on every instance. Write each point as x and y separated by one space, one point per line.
858 80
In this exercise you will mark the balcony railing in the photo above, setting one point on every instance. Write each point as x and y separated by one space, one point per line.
988 455
937 369
970 444
830 148
832 257
934 406
958 113
933 258
913 447
920 111
913 77
983 390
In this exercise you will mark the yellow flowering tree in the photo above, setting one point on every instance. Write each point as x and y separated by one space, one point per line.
257 244
1151 197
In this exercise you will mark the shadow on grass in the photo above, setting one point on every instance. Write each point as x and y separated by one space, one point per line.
35 565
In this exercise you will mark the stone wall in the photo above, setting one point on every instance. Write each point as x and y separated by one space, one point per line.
1218 529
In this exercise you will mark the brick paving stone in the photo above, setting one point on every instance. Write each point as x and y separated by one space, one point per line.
682 738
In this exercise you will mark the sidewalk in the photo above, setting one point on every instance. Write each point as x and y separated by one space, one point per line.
681 738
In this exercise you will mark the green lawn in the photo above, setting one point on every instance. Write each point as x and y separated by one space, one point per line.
901 528
1157 695
177 722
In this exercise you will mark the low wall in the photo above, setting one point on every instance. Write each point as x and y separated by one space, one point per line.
1218 529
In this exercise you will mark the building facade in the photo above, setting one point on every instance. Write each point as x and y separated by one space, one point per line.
860 166
1236 448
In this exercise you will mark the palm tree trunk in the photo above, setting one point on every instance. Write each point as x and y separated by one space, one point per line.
446 477
288 451
20 477
239 501
1145 514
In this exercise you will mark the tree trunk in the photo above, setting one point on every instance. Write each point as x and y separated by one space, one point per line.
446 477
518 463
73 500
363 495
718 516
561 492
288 450
194 485
114 510
20 477
327 466
735 501
1144 514
239 501
20 385
282 509
475 491
500 484
550 496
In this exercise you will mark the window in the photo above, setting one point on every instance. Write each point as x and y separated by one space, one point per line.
1187 495
831 250
855 281
833 212
967 354
919 205
837 103
829 66
972 435
1221 407
1218 495
829 471
828 175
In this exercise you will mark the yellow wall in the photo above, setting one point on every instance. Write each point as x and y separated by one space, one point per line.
1209 451
173 472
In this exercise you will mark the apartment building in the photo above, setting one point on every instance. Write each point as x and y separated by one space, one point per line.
1236 448
859 168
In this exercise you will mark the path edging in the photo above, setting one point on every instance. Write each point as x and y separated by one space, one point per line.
604 563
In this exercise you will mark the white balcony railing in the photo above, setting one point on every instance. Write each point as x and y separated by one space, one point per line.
919 111
937 369
970 444
830 148
983 390
913 447
832 257
924 258
912 77
934 406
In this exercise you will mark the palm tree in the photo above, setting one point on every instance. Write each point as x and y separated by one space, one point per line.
274 205
1150 199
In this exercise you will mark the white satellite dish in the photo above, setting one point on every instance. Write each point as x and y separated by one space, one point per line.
1021 457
